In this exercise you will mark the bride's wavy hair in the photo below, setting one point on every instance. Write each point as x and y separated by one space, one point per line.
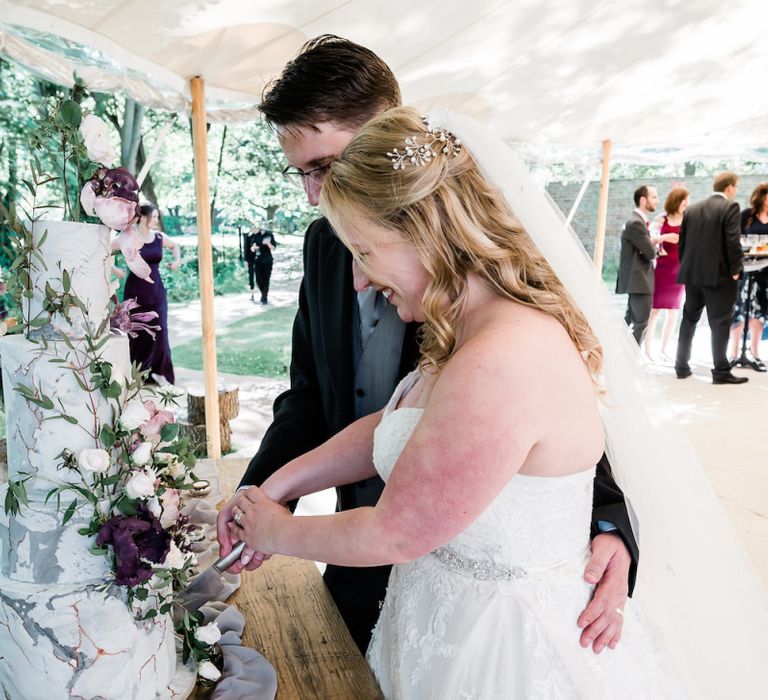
459 223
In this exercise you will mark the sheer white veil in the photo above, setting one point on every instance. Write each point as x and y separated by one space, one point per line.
694 578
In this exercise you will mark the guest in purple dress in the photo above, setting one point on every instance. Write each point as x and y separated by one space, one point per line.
667 294
153 354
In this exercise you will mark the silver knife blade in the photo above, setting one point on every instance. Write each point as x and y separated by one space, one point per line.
209 584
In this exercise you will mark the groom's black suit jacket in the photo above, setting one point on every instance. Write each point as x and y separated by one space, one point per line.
320 403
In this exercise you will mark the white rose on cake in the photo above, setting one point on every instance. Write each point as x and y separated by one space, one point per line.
141 484
208 671
96 137
208 634
134 414
175 559
154 507
93 460
142 454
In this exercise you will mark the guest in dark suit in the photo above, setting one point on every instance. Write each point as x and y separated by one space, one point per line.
351 348
710 265
638 251
249 254
258 246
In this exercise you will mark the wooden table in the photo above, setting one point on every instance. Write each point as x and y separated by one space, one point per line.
292 620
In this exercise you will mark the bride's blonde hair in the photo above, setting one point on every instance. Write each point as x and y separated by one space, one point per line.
459 223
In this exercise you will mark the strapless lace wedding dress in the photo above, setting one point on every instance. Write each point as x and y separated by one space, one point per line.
492 614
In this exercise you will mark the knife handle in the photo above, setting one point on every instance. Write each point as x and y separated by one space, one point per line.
225 562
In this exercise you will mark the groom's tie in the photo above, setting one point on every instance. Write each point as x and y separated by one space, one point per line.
371 304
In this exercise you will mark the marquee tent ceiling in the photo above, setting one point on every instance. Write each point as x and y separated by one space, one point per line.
662 76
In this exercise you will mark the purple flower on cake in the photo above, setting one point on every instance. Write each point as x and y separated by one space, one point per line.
126 321
138 542
112 194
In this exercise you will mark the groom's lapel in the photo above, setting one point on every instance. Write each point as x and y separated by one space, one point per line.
336 299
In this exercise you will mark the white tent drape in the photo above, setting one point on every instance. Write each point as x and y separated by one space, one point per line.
651 77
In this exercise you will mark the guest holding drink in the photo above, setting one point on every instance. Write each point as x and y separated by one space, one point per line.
667 294
754 230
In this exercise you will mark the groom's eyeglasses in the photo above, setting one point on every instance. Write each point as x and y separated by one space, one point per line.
298 176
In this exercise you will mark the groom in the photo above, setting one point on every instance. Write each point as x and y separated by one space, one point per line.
350 349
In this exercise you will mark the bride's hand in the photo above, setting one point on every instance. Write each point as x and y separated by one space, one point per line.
608 568
227 537
260 516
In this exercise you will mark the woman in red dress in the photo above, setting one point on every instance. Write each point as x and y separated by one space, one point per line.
667 294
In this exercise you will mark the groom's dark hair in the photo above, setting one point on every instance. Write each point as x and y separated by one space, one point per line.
331 79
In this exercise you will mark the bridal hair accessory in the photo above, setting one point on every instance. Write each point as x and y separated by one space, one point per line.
439 141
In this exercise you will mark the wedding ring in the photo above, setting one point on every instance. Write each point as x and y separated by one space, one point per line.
238 518
618 610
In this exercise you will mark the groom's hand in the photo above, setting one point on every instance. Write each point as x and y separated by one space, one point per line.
608 567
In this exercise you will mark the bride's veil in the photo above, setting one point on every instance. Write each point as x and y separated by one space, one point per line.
694 578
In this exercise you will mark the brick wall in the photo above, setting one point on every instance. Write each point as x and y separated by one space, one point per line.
620 205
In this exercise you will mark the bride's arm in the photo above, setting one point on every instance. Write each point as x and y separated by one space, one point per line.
344 459
486 416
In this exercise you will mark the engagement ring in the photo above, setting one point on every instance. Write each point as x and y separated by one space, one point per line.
238 518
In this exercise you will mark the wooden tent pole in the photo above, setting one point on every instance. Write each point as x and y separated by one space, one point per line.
205 266
602 208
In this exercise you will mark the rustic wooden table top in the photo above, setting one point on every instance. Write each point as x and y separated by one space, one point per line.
292 620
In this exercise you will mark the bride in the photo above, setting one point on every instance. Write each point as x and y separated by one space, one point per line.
487 583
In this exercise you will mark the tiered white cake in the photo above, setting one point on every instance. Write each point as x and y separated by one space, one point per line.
63 634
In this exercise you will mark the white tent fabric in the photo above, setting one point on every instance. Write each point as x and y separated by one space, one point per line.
666 76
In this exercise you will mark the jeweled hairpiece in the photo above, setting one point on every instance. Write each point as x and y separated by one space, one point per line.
438 140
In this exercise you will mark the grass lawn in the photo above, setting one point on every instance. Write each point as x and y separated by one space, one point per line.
257 346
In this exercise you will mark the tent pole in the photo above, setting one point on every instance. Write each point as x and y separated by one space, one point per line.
205 267
602 208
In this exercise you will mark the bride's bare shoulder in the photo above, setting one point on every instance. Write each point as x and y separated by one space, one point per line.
521 347
523 330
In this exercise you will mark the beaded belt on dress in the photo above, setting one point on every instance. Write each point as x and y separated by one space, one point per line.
477 568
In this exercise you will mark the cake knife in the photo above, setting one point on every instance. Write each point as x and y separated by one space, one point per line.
209 584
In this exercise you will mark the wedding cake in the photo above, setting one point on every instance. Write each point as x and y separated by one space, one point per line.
66 629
